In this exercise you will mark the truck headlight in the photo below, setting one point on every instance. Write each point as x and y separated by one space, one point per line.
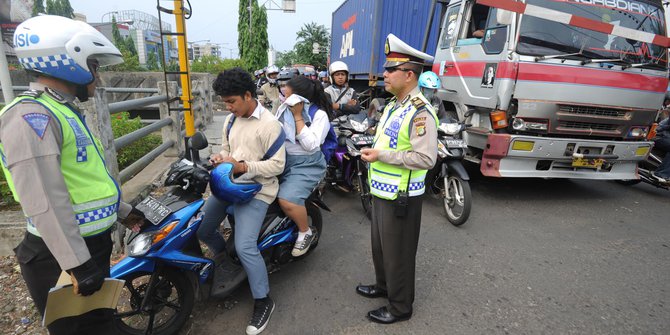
521 124
638 132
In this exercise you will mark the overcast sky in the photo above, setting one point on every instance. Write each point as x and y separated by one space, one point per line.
216 20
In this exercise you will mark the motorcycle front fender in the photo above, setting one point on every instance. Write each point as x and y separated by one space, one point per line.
456 168
130 265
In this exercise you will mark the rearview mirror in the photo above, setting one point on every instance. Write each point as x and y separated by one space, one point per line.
199 141
504 17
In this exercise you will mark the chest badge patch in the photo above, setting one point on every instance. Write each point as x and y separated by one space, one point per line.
38 122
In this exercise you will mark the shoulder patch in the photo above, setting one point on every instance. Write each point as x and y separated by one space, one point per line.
418 103
39 122
420 129
31 93
420 119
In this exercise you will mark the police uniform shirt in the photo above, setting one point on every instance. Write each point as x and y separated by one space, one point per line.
423 137
34 163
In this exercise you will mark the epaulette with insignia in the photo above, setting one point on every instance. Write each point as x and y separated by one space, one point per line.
418 103
31 93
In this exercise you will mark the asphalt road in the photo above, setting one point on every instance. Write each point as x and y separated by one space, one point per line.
536 257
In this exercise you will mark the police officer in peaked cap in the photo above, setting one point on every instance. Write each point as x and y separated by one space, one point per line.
55 168
404 149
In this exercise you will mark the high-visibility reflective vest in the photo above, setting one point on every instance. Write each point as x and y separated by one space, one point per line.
93 192
393 134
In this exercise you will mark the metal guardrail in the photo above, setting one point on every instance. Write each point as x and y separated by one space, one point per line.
128 139
141 163
107 89
122 106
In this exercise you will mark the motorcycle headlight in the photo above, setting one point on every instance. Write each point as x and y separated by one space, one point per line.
360 127
450 128
141 244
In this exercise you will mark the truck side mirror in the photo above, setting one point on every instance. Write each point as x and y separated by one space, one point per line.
504 17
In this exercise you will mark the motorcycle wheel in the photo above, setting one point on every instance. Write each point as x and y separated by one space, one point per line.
457 199
316 221
364 188
167 311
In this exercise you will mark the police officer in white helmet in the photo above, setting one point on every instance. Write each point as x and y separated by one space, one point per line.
55 168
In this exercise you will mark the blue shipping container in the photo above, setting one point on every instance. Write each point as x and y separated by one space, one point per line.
360 28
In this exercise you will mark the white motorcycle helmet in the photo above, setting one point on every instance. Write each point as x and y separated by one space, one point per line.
338 66
271 69
59 47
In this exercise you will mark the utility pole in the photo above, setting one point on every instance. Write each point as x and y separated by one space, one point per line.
5 79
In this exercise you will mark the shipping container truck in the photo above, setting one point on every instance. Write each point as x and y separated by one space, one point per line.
359 30
553 88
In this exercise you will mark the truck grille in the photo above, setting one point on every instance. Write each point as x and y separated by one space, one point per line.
588 126
592 111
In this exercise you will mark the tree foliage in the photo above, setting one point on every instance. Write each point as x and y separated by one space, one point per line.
253 43
38 8
131 61
286 58
214 65
309 34
54 7
152 62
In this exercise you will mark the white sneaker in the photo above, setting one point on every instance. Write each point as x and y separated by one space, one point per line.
301 247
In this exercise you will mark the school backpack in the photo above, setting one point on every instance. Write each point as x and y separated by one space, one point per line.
330 144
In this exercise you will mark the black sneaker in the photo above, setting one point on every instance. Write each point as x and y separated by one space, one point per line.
263 309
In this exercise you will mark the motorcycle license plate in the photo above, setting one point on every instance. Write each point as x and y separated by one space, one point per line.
455 143
153 210
588 163
361 140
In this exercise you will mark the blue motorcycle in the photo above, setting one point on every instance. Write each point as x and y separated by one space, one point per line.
165 265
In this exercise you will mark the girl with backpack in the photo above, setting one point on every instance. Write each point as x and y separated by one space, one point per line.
305 116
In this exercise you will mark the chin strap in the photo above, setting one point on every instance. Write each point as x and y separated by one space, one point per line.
82 93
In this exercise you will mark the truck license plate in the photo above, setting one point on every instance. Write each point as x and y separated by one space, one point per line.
588 163
153 210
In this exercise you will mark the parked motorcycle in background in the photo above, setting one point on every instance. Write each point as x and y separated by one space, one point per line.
646 168
346 171
449 180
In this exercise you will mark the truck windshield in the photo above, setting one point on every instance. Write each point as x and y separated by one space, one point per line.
540 37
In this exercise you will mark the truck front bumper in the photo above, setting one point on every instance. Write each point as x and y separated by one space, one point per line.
529 156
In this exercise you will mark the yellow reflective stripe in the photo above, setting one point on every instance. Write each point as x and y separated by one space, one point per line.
417 192
85 230
379 178
97 226
87 206
383 194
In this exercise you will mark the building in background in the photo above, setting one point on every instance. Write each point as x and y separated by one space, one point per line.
144 29
205 49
